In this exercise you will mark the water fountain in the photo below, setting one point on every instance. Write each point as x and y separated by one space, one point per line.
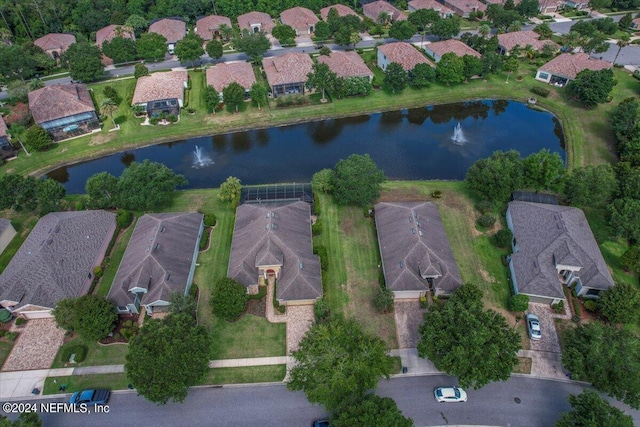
201 159
458 137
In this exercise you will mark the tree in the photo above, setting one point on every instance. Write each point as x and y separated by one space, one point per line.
336 361
607 357
189 48
591 185
64 314
16 62
591 88
284 33
321 77
630 259
622 42
625 22
322 181
544 30
140 70
422 75
137 23
402 30
120 49
228 299
514 26
84 61
49 193
37 138
589 409
109 106
518 302
102 191
18 90
472 66
510 65
491 63
544 170
370 410
18 192
258 93
151 46
620 304
528 8
215 49
423 19
94 317
147 185
624 218
226 32
167 357
322 31
450 69
484 30
464 340
395 77
181 303
496 177
230 190
624 121
211 99
446 28
233 95
357 180
25 419
253 44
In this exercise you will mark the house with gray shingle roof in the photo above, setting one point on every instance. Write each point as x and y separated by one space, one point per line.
55 44
402 53
415 250
274 241
56 261
444 11
161 92
374 9
287 74
64 110
553 246
7 233
208 27
437 49
301 19
172 29
255 22
160 260
223 74
346 64
566 67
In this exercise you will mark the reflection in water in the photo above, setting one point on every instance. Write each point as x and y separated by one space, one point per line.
61 174
499 106
241 141
459 111
219 142
127 158
262 137
325 130
558 132
391 119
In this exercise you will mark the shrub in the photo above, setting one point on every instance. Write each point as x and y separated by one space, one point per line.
11 336
321 311
172 118
542 91
558 308
140 70
322 253
129 329
228 299
484 206
316 228
591 306
2 333
80 204
519 302
486 220
79 350
577 311
210 220
111 93
503 238
20 321
436 194
123 218
383 300
204 241
97 272
37 138
154 120
19 115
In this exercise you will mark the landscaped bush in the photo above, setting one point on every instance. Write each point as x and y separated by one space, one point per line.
97 272
129 329
112 94
383 300
210 220
503 238
11 336
321 311
316 228
228 299
542 91
20 321
204 241
486 220
172 118
484 206
577 311
591 306
123 218
436 194
519 302
79 350
322 253
276 305
558 308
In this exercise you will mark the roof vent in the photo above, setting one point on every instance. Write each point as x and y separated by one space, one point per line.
267 226
273 214
155 247
168 277
301 266
418 224
267 216
162 229
401 264
410 219
420 232
413 231
273 226
87 237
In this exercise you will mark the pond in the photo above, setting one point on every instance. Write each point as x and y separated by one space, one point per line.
434 142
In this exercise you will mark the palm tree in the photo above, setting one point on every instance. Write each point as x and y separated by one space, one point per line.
514 26
571 39
484 30
109 106
226 32
623 42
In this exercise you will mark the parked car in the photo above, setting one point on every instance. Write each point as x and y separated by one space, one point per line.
450 394
91 397
533 327
320 423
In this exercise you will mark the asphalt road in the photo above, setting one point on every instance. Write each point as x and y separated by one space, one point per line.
521 402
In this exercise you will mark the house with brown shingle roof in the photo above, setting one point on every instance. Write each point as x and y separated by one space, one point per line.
255 22
56 261
635 23
222 75
287 74
64 111
161 92
160 260
402 53
55 44
444 11
374 9
508 41
172 29
346 64
464 7
416 254
340 8
301 19
112 31
437 49
565 67
208 27
273 242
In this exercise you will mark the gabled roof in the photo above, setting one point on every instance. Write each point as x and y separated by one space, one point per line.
55 261
4 224
414 246
222 75
264 19
57 101
404 54
569 65
452 46
374 9
54 41
163 85
158 257
299 18
545 233
523 39
465 6
112 31
288 68
173 29
269 235
346 64
430 4
205 27
340 8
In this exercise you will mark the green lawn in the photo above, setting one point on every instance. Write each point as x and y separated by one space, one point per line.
80 382
96 355
247 374
5 349
113 263
250 336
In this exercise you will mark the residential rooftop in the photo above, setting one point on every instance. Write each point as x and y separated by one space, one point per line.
570 64
58 101
222 75
162 85
346 64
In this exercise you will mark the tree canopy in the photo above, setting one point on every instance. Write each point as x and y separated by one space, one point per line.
321 77
284 33
356 180
590 87
466 341
189 48
450 69
151 46
496 177
395 77
230 190
402 30
85 61
370 410
233 95
589 409
147 185
167 357
337 361
253 44
91 316
228 299
624 218
102 191
120 49
591 185
620 304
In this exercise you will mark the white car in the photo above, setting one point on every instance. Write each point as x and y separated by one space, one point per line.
533 327
450 394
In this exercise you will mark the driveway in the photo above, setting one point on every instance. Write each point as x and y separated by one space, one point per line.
549 341
36 346
304 40
409 317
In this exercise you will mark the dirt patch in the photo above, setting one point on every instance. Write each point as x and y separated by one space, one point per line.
346 224
100 139
257 307
486 276
402 195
